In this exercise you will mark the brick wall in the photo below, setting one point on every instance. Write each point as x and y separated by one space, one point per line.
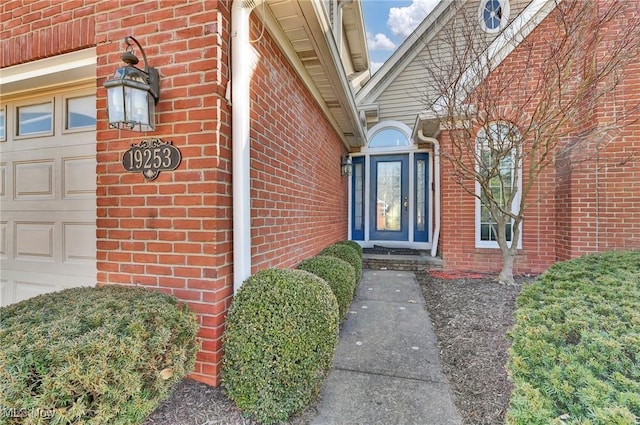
33 30
458 232
172 234
175 234
298 196
589 201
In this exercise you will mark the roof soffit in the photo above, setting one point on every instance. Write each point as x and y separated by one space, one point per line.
302 31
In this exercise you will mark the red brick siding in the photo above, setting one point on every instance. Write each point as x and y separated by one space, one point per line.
586 206
457 244
172 234
33 30
299 199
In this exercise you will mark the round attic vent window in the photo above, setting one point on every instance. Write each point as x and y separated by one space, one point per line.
493 14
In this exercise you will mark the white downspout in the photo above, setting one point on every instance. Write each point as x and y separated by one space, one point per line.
242 65
436 191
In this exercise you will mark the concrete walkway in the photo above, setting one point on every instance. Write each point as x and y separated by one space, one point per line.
386 368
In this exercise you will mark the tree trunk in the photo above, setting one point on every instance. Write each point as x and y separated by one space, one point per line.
506 274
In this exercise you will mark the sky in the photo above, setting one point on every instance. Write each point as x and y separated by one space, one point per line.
389 22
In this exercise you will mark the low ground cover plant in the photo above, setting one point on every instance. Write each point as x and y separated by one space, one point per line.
347 253
280 338
92 355
575 355
340 276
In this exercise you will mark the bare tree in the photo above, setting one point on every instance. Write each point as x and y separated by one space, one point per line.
519 103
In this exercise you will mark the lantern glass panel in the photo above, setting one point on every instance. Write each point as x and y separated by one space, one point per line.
136 105
115 107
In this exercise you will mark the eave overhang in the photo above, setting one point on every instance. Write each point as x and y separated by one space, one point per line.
303 32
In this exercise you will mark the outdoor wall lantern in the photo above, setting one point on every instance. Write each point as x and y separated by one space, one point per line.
132 93
346 165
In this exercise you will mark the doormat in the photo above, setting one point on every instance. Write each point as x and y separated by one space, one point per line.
390 251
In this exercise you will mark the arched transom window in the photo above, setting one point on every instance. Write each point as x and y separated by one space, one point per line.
389 135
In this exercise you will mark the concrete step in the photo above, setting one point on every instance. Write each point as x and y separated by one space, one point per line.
420 262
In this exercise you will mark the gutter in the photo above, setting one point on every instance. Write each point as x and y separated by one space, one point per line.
243 60
436 189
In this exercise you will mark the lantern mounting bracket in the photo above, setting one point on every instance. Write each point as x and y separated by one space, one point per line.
130 58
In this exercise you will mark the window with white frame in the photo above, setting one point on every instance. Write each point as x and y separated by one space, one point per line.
80 112
500 170
35 119
389 137
493 15
389 134
3 124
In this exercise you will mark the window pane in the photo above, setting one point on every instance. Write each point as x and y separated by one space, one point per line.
421 210
389 196
389 138
359 195
485 232
81 112
34 119
508 230
496 145
3 126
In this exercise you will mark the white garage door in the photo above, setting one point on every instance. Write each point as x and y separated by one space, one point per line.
47 193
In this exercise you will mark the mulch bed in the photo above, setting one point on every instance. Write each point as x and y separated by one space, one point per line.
194 403
471 314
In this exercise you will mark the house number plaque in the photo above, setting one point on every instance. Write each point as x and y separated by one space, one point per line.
151 156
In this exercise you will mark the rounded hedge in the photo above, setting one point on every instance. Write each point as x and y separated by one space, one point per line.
353 244
280 337
348 254
575 348
94 355
340 276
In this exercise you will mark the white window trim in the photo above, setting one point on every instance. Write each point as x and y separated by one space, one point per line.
514 205
386 125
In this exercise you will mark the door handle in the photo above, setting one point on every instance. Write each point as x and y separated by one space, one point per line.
406 204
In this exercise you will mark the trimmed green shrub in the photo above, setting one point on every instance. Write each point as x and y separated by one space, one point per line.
575 357
348 254
93 355
353 244
338 274
279 342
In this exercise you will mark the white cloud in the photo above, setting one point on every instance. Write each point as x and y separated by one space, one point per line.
379 42
376 66
403 20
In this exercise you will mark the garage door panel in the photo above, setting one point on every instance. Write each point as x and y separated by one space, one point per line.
48 203
18 285
77 179
33 179
66 239
34 241
6 292
3 240
79 243
25 289
3 180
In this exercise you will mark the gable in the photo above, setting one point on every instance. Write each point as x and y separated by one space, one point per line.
400 90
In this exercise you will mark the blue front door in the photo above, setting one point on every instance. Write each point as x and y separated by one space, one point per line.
389 202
